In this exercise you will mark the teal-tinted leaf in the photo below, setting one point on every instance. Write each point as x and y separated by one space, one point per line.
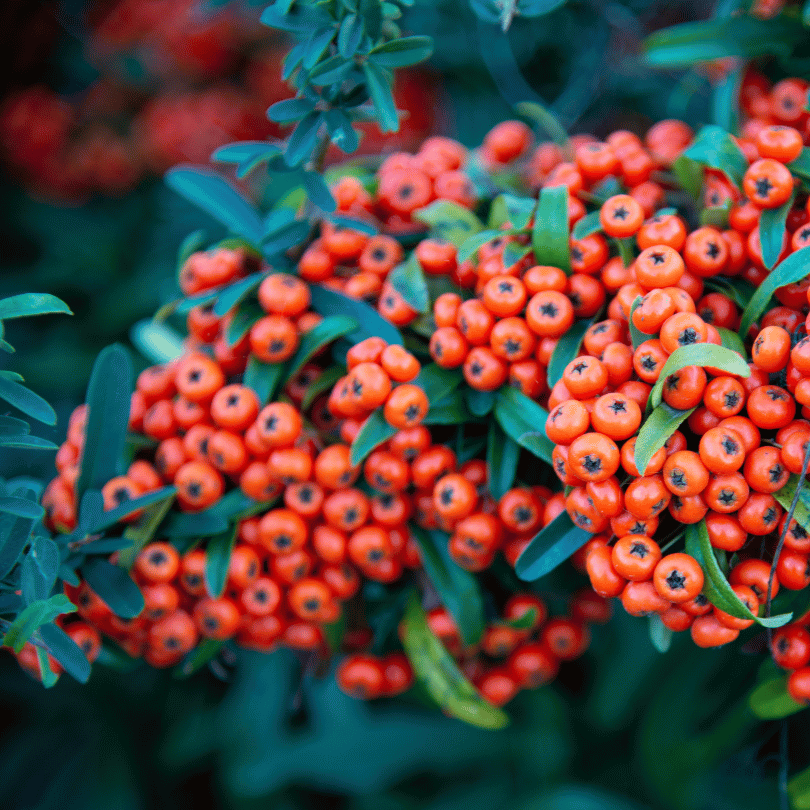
331 71
451 410
263 378
480 403
744 36
247 155
27 304
33 617
716 148
379 88
21 507
801 166
544 120
725 102
438 382
772 232
449 221
317 46
45 553
324 383
771 701
11 375
108 519
372 434
301 143
637 337
566 350
281 238
550 232
655 431
737 289
526 621
318 192
478 240
219 198
194 242
11 426
706 355
217 559
551 546
524 421
285 112
403 52
156 341
502 459
716 587
588 225
27 401
234 293
321 335
25 442
408 279
114 586
341 131
194 524
458 589
33 586
350 35
435 668
328 302
354 224
46 673
15 535
65 650
789 271
660 634
108 400
244 319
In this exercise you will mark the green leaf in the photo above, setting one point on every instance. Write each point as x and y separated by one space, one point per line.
545 120
502 459
234 293
285 112
27 401
402 52
108 519
318 192
789 271
552 545
785 497
194 242
441 677
725 102
379 88
46 673
731 340
244 319
328 302
142 532
567 349
23 441
217 559
27 304
550 233
372 434
217 197
156 341
480 403
771 701
321 335
744 36
317 46
706 355
716 216
438 382
524 622
689 174
524 421
655 431
204 652
21 507
114 586
660 634
587 226
325 382
33 617
301 144
194 524
801 166
108 400
737 289
66 651
798 787
458 589
408 279
350 35
478 240
263 378
284 236
449 221
11 426
772 232
716 587
637 337
716 148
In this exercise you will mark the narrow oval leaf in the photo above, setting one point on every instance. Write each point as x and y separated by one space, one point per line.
731 340
771 701
449 221
328 302
408 279
714 147
439 673
566 350
655 431
502 459
552 545
785 497
798 787
233 294
403 52
27 401
204 652
716 587
438 382
21 507
114 586
587 226
772 232
458 589
27 304
66 651
706 355
789 271
480 403
156 341
263 378
550 235
637 337
660 634
217 559
524 421
379 88
544 120
108 401
372 434
320 336
108 519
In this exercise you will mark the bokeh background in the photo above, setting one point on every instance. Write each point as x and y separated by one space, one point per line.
100 98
